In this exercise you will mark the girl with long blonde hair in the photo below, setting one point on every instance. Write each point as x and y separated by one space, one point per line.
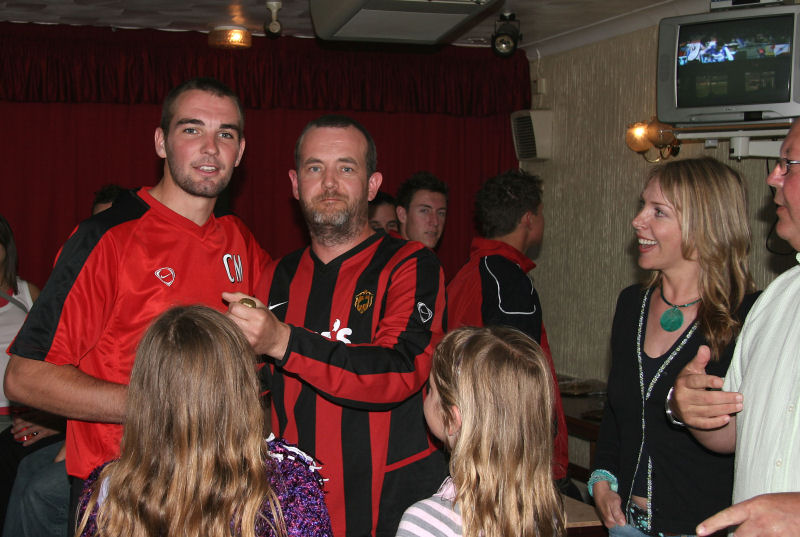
490 402
194 461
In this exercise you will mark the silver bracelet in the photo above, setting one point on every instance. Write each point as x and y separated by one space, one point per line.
670 416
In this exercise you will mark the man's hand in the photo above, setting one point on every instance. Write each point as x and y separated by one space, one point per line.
30 427
265 333
694 404
768 515
608 504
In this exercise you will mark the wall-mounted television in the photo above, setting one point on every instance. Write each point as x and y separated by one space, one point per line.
738 66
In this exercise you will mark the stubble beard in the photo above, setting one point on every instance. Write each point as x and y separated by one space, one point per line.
204 188
335 227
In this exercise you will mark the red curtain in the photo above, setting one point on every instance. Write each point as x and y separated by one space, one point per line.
81 104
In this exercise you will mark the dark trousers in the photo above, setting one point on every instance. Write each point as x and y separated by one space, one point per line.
11 453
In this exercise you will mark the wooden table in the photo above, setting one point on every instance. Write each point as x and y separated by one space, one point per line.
582 520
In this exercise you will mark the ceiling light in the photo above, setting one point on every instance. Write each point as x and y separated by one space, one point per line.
506 35
229 37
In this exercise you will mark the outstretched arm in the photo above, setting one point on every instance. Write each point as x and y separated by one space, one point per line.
698 402
768 515
381 370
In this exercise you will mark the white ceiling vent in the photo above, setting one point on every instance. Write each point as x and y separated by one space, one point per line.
425 22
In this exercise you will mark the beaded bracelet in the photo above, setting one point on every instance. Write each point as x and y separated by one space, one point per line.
602 475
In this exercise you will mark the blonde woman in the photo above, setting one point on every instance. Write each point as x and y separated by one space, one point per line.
651 477
194 461
490 401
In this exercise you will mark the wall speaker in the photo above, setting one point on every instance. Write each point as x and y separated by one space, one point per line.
532 131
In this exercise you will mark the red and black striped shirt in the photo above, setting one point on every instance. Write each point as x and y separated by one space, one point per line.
349 389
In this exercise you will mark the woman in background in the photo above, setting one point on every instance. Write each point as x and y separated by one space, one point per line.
16 299
194 460
651 476
490 402
23 431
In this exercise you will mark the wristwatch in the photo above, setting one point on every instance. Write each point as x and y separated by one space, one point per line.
668 410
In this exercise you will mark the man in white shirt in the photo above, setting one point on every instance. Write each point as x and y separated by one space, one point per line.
756 412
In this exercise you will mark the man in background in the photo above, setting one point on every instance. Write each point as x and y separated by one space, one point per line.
350 327
422 208
104 198
493 288
383 213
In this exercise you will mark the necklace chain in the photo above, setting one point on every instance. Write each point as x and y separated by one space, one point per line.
668 303
672 318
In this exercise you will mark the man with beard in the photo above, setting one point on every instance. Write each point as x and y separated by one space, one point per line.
350 327
155 248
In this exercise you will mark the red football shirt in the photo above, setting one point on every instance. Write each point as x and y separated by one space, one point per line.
115 274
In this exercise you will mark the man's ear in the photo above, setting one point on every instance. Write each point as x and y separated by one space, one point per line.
160 140
373 184
527 219
293 179
241 152
402 216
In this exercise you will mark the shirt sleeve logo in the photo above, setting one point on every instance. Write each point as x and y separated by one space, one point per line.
166 275
425 313
363 301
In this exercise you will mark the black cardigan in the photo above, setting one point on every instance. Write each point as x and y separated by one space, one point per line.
689 483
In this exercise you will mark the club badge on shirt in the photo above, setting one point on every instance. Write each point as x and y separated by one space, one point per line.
363 301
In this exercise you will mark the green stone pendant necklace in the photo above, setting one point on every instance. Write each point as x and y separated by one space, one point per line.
672 318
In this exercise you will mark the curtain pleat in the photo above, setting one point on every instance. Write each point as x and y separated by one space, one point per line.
100 65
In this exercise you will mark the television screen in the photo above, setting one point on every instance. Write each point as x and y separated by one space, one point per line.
735 61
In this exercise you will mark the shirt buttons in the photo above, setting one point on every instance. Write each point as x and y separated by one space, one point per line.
779 463
790 408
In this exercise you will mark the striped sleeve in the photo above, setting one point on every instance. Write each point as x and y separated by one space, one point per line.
433 517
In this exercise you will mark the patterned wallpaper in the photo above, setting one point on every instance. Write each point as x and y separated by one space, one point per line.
592 188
